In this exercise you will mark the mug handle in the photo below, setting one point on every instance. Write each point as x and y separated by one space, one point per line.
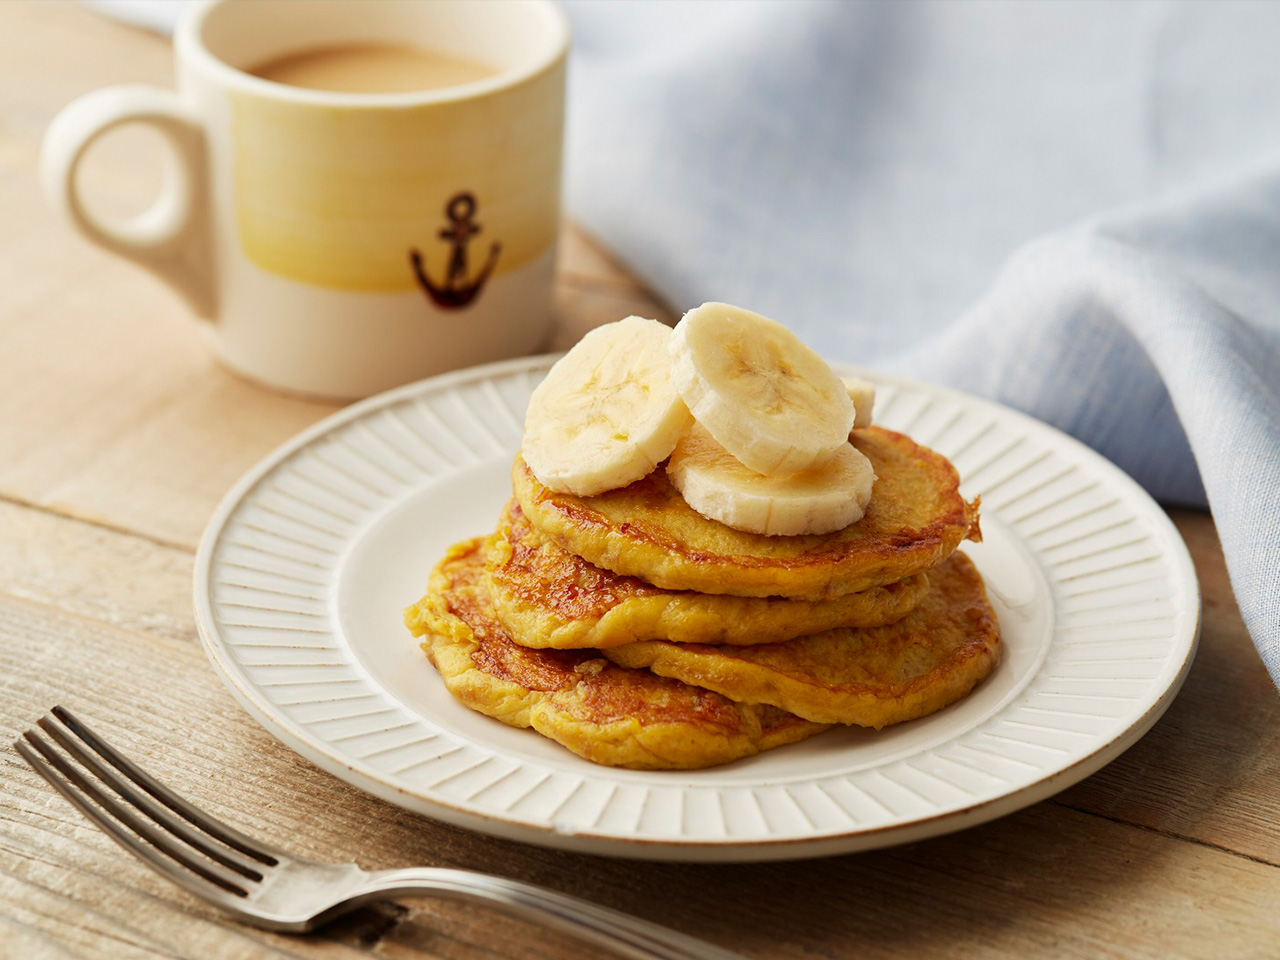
172 238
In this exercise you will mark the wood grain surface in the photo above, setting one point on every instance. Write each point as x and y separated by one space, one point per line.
119 434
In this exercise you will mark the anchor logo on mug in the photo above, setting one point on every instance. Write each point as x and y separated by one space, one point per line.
457 290
295 202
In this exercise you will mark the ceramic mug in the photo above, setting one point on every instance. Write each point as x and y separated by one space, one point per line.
344 243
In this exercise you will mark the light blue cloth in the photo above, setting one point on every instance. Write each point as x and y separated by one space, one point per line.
1073 208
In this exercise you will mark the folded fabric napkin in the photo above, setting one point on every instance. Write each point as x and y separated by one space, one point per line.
1108 173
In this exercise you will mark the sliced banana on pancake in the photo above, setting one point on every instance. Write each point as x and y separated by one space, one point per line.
863 395
818 500
607 413
765 396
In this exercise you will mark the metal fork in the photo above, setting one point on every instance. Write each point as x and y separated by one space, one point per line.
267 887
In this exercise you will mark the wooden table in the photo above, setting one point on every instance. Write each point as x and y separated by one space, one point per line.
118 434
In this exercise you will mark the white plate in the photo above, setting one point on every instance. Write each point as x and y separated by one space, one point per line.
307 564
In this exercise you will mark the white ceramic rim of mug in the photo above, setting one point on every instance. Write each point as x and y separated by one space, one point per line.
189 42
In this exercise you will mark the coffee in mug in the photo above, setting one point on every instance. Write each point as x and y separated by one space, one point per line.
367 191
372 68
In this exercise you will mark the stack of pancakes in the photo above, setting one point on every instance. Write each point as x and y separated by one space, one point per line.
638 633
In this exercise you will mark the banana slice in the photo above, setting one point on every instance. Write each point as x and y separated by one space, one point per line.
607 413
766 397
863 395
818 500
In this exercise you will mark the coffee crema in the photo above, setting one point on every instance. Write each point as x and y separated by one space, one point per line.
371 68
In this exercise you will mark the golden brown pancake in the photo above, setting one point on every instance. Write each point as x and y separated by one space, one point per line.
916 518
608 714
547 597
871 677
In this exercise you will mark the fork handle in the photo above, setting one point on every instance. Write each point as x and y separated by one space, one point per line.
628 936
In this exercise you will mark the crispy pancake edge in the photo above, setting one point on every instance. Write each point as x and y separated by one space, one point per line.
733 673
806 568
547 597
592 707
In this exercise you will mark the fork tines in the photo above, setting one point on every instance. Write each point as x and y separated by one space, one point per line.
140 813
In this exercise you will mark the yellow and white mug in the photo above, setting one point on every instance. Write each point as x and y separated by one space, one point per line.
344 243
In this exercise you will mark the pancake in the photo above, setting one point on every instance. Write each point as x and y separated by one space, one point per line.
546 597
869 677
916 518
605 713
